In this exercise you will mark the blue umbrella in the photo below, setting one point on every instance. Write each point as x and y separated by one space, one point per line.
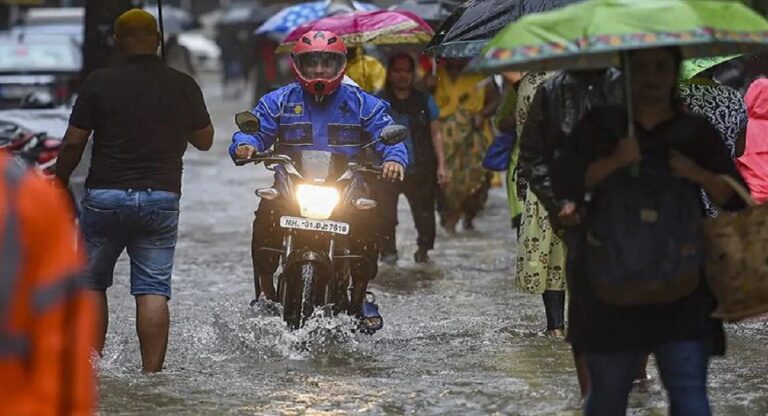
291 17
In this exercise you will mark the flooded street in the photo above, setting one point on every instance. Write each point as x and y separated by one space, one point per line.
459 338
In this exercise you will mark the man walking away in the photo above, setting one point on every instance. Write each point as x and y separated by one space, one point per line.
418 111
142 114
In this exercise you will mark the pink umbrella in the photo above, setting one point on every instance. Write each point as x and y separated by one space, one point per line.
380 27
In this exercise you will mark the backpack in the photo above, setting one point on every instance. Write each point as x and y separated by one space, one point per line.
645 242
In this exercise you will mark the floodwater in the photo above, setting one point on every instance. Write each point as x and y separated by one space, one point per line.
459 339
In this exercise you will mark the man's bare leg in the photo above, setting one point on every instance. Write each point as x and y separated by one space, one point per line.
102 319
152 325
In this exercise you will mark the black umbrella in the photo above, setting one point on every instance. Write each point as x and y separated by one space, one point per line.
433 12
474 23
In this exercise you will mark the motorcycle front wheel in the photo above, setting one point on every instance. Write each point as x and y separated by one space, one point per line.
299 295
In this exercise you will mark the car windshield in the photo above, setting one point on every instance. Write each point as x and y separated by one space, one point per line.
38 56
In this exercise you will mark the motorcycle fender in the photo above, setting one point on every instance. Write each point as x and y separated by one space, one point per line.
299 257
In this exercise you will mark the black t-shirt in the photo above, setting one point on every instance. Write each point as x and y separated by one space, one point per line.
141 113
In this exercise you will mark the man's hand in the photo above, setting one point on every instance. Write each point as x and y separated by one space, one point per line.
393 171
244 151
568 215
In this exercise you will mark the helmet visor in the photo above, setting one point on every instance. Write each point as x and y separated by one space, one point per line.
320 65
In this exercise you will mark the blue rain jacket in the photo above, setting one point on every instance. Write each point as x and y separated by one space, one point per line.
342 123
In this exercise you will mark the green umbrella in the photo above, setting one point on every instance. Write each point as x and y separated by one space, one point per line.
599 34
695 66
591 34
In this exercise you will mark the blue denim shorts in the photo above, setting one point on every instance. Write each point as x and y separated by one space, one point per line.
145 222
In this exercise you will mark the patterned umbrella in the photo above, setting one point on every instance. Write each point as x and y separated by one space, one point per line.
596 33
695 66
600 34
379 27
291 17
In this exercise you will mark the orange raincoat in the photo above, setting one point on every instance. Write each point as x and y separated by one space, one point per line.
46 321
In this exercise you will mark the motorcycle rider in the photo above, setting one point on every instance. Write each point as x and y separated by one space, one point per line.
319 112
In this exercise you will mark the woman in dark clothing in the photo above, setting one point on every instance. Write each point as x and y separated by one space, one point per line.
679 333
426 170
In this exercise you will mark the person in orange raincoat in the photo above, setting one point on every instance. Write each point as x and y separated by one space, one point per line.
46 323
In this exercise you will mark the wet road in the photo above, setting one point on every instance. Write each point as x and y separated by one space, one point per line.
459 339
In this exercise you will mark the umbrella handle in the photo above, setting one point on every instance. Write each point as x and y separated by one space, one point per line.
634 169
162 28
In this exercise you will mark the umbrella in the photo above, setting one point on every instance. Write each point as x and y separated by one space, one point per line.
175 20
291 17
695 66
432 11
247 13
594 33
379 27
475 22
599 34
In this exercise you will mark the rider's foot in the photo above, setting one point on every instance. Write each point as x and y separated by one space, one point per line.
421 256
267 287
269 295
370 318
389 259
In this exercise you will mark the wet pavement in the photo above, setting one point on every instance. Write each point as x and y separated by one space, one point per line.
459 339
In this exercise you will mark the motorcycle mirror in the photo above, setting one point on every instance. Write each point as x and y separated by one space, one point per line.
247 122
394 134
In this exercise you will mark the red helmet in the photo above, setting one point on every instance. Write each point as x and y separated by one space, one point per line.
319 62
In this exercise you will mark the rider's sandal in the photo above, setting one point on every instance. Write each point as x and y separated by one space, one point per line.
371 321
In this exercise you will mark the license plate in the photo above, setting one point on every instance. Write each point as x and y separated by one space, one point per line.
298 223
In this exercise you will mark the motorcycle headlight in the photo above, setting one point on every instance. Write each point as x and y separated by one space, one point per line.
316 202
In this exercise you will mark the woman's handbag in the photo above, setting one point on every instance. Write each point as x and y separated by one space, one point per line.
737 259
499 153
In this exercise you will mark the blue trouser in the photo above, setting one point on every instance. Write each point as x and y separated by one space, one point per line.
145 222
683 369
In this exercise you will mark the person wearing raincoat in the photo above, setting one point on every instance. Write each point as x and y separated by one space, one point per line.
366 71
753 164
47 331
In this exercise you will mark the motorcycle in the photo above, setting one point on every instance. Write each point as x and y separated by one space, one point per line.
318 192
36 150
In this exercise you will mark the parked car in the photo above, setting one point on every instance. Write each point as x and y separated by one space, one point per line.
63 21
38 65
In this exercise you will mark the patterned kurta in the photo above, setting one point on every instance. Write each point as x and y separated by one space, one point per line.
459 100
540 252
725 109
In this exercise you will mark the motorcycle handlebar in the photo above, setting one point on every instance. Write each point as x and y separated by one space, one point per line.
266 157
366 168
